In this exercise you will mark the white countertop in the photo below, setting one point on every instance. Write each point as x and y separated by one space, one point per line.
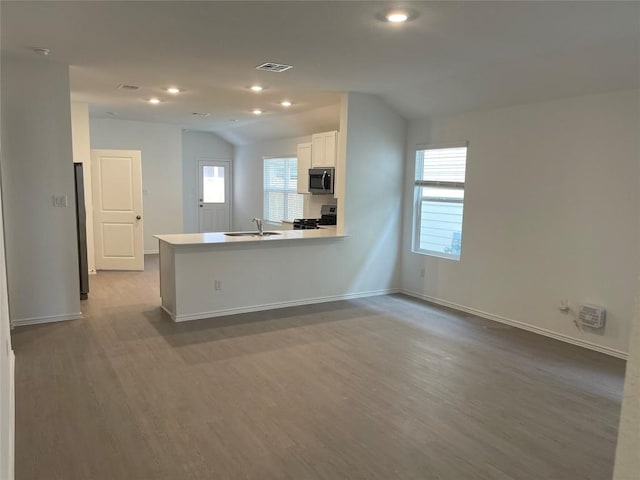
219 238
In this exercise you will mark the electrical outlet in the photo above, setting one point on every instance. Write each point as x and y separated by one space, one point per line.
60 200
217 285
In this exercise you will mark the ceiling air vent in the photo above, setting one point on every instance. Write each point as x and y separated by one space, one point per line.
124 86
199 114
273 67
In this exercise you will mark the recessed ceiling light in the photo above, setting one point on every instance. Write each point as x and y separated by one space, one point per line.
256 88
154 100
257 111
286 103
173 90
397 17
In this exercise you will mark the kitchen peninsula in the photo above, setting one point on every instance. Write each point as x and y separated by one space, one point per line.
205 275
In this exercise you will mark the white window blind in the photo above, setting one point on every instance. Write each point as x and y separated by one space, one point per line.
439 200
281 200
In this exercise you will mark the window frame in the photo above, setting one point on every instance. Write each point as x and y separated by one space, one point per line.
418 198
283 191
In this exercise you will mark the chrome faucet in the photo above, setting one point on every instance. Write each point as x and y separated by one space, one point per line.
259 225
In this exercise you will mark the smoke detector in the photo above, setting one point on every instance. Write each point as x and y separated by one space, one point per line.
41 51
274 67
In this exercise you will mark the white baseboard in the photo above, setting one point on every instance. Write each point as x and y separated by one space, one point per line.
48 319
168 312
515 323
152 252
272 306
12 416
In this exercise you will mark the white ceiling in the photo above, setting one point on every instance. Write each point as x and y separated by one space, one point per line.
454 56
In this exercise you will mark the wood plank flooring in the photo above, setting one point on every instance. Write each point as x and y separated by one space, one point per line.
379 388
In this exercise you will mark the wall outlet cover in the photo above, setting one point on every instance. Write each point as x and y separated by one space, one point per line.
60 201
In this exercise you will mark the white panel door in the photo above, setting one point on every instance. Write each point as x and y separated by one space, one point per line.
214 206
117 209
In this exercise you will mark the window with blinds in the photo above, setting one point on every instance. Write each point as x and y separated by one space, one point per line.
281 198
439 200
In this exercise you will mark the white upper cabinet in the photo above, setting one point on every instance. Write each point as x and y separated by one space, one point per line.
304 164
324 149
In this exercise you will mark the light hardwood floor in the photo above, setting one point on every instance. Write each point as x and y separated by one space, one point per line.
379 388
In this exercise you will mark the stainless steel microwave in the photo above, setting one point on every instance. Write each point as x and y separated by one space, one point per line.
321 180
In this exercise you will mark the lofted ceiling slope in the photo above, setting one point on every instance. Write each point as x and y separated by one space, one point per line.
452 57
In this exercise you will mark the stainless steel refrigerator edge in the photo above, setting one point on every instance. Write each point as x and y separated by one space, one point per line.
81 224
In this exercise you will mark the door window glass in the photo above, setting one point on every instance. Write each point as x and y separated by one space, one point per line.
213 184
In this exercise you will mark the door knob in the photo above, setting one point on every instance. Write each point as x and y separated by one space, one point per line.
138 217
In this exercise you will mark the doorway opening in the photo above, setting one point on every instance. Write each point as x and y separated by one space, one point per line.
114 202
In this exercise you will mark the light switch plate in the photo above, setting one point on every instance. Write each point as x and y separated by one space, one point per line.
60 201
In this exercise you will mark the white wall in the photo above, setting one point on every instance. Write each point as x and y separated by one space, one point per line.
161 146
627 464
551 211
7 380
81 144
198 146
41 246
248 180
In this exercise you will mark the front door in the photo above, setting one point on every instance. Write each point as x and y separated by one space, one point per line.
214 207
117 209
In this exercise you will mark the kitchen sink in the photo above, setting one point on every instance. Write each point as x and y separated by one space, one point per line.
251 234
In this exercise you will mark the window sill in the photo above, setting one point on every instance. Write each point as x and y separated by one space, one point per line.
444 256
